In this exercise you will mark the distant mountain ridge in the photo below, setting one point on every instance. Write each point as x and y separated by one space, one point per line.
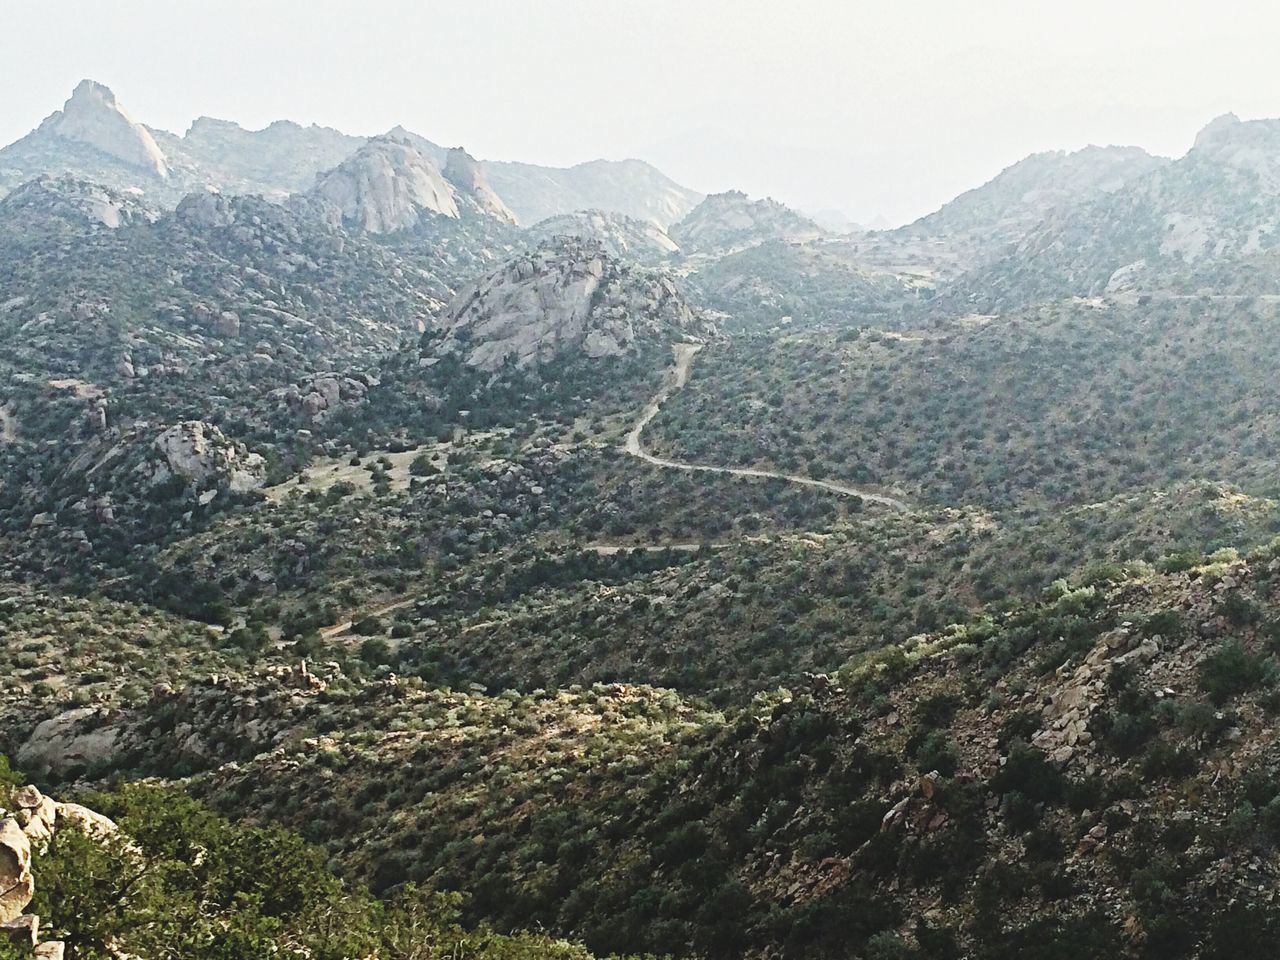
1207 221
94 138
730 221
1004 208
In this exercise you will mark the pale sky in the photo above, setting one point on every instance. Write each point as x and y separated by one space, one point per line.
873 108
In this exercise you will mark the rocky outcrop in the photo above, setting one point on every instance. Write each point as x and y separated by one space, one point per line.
562 300
33 823
387 186
201 454
72 201
93 116
464 172
71 741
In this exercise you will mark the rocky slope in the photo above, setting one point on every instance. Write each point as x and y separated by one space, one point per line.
620 235
564 300
387 186
1004 209
467 176
728 222
1207 221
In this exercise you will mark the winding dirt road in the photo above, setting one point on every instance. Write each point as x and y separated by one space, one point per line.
677 377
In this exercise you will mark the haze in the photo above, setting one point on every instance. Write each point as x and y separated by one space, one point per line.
878 110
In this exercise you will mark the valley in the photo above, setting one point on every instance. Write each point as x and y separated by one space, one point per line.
536 561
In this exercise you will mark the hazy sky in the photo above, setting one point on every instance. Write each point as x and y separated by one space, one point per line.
873 108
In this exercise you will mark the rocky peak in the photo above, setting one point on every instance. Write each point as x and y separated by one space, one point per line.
464 172
386 186
564 299
93 116
731 221
1252 146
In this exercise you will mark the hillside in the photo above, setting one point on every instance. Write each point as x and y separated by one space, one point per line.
966 794
1011 204
1205 222
777 282
1064 405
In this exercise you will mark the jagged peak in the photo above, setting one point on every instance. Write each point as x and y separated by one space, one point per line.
93 116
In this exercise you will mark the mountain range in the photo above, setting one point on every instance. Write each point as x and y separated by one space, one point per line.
94 137
406 550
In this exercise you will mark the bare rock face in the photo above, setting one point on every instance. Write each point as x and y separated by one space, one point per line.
386 186
565 299
16 884
464 172
71 740
94 117
201 454
35 823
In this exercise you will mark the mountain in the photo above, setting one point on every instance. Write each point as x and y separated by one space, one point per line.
386 186
1004 209
620 235
94 138
91 136
727 222
1207 221
140 339
568 298
630 187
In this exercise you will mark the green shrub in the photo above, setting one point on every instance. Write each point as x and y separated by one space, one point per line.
1232 670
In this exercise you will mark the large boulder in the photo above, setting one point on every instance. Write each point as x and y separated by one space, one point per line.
73 740
17 886
201 454
565 299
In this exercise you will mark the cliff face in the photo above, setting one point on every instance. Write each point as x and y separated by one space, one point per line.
466 175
